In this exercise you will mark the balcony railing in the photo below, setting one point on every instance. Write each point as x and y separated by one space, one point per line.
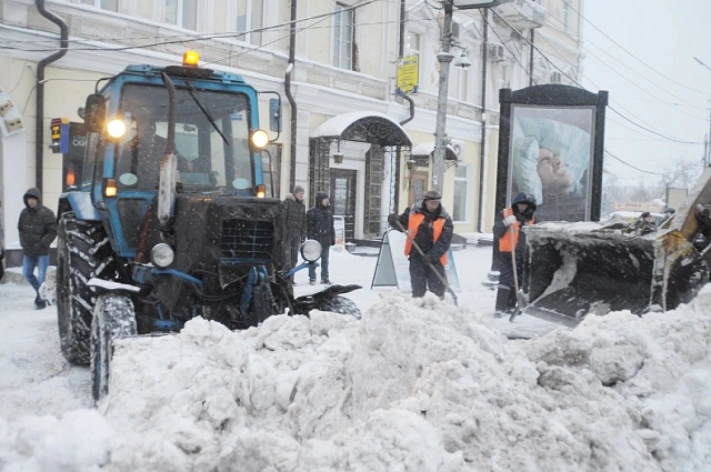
522 14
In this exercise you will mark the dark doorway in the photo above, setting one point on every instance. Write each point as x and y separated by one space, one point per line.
343 198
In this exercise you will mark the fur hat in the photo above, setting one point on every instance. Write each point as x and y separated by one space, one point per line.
432 195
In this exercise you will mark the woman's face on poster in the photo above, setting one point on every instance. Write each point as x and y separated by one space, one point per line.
554 174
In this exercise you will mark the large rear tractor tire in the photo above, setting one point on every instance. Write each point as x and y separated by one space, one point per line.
83 252
114 318
339 304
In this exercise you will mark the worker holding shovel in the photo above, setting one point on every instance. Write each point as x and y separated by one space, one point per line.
512 247
429 230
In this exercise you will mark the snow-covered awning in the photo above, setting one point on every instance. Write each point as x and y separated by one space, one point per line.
427 148
364 126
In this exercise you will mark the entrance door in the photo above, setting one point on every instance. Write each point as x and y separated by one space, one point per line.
343 198
418 186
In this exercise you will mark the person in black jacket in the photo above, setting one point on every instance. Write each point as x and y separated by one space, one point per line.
431 227
509 238
320 227
38 228
294 218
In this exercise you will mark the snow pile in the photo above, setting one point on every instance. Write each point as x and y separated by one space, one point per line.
416 385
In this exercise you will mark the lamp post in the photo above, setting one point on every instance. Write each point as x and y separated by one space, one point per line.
445 58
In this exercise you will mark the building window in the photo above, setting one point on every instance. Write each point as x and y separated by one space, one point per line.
271 165
567 17
343 30
461 194
247 16
110 5
458 83
182 13
413 47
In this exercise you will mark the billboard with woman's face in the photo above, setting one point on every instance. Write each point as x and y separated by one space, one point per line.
550 147
550 157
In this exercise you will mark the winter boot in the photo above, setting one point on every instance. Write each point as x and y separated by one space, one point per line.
502 301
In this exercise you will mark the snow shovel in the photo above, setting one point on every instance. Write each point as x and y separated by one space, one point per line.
519 296
429 264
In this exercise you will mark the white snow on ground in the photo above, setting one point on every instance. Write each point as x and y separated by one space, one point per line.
414 386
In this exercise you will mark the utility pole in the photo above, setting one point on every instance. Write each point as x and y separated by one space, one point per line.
445 59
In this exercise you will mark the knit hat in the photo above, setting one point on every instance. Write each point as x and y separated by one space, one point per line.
432 195
298 189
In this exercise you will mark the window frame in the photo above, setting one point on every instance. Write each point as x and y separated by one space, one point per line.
467 181
179 20
98 4
342 9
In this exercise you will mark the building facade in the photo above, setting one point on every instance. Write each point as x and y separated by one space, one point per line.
347 130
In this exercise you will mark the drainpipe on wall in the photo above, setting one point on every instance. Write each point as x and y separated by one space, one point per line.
405 96
482 157
290 97
530 58
41 66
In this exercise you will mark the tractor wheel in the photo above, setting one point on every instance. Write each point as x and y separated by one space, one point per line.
114 318
338 304
83 252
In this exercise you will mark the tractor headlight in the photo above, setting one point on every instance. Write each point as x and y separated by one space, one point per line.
162 255
310 250
260 139
116 128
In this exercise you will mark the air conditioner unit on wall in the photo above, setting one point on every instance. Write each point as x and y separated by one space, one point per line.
456 29
496 52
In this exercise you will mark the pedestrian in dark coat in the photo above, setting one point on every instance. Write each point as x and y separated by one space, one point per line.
509 237
38 228
431 227
294 230
320 227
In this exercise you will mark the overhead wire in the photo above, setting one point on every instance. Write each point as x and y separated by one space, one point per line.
635 56
200 37
573 80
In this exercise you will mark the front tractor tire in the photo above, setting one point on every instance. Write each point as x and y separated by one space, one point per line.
83 253
114 318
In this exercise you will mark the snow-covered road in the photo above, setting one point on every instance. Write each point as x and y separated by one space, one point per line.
415 386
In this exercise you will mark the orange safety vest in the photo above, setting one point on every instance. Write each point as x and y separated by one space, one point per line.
505 241
413 225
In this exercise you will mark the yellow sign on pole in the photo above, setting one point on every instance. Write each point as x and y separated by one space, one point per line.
408 74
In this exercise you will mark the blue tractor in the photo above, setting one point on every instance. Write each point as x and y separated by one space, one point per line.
171 220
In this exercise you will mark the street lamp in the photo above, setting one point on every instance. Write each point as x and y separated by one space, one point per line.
445 58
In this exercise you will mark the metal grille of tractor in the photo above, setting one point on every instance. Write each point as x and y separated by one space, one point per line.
246 241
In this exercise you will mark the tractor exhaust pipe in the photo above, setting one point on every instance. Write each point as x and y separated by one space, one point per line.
168 168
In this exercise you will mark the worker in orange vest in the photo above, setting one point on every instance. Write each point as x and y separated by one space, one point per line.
431 227
509 237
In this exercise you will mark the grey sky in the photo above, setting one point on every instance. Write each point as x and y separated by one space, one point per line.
666 35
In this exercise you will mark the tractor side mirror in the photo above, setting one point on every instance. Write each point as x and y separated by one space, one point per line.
275 114
95 112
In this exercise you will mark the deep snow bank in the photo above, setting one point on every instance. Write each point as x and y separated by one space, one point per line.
414 386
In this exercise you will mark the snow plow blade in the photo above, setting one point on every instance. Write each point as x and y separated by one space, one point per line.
571 273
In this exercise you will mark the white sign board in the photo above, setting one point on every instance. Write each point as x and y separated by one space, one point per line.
393 267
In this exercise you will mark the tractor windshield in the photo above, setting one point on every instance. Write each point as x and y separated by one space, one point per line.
211 139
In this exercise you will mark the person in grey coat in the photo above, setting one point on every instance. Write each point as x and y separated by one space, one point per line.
294 219
320 227
38 228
